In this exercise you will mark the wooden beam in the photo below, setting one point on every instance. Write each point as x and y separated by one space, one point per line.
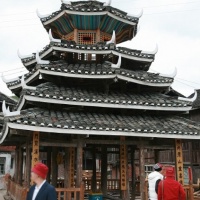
58 144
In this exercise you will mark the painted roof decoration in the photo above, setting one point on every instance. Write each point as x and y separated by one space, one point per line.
83 83
98 15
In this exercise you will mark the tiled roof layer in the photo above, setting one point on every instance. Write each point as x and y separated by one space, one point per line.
153 99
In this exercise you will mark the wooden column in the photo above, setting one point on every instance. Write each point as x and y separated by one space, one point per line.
124 170
49 149
98 35
104 163
179 161
76 35
133 173
94 178
28 165
79 162
71 166
20 165
67 168
142 169
156 155
54 169
16 164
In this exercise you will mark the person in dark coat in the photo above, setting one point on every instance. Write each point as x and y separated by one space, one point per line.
169 188
41 190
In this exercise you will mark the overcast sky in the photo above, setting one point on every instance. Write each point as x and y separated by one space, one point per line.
171 24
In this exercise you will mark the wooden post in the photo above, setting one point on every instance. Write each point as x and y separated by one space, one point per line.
20 167
27 165
94 177
124 170
133 173
104 162
179 161
76 35
79 162
142 169
67 168
156 155
16 164
54 169
71 166
98 35
49 149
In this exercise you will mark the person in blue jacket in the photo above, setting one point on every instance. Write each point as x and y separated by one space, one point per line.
41 190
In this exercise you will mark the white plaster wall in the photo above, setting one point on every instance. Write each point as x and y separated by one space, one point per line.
7 168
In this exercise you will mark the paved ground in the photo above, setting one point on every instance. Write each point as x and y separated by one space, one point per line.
2 193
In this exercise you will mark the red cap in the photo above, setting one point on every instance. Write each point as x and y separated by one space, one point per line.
170 172
40 169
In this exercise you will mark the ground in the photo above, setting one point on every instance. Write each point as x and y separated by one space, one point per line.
2 193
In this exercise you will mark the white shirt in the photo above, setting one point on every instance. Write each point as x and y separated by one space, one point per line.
37 189
152 178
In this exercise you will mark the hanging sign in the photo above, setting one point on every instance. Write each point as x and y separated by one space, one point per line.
179 162
123 164
35 149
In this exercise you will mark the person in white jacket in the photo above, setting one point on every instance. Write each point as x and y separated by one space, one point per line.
153 180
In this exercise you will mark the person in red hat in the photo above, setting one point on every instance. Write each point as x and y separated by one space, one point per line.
42 190
169 188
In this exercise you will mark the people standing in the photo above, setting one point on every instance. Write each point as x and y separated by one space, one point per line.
153 180
41 190
169 188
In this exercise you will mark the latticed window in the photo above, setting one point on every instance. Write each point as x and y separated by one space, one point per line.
86 38
2 165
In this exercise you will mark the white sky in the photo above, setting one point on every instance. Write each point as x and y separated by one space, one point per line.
171 24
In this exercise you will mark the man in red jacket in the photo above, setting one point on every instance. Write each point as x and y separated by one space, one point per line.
170 189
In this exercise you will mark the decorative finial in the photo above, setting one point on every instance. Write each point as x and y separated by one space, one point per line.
113 38
155 51
40 15
108 3
24 86
189 99
23 56
8 81
172 75
66 2
6 112
136 15
118 65
40 61
53 39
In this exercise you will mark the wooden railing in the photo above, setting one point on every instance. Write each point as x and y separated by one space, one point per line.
17 192
68 193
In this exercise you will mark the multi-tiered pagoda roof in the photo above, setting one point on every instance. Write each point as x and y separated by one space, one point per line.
83 83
